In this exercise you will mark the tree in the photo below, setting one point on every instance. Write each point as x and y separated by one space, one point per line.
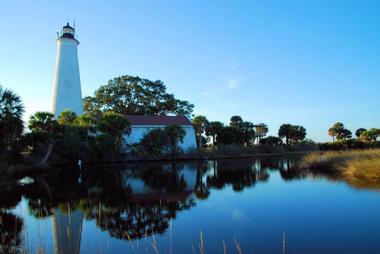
230 135
292 133
11 124
115 125
365 137
285 131
42 121
271 140
86 123
213 130
166 140
174 135
153 142
67 117
335 129
339 132
374 133
298 134
200 124
261 130
44 130
236 122
344 134
359 132
248 131
130 95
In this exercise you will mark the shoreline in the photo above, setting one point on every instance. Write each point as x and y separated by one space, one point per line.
20 171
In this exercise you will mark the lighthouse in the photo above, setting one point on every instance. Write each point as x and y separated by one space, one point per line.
67 88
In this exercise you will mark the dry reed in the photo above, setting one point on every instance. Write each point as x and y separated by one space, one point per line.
360 168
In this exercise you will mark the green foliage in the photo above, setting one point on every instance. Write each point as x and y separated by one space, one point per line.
362 143
67 117
359 132
248 131
174 135
86 123
153 142
77 137
114 124
304 145
261 130
230 135
271 140
135 96
285 131
162 141
236 122
239 132
339 132
200 124
369 136
374 133
11 124
292 133
213 130
43 122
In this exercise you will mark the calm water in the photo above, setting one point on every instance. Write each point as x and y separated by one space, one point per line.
264 206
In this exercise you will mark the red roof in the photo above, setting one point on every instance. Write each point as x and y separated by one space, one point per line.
158 120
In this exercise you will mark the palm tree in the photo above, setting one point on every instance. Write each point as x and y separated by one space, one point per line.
11 124
236 122
42 121
115 125
175 135
285 131
67 117
200 124
359 132
261 131
213 129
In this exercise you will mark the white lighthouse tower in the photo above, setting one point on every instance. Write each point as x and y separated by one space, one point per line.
67 88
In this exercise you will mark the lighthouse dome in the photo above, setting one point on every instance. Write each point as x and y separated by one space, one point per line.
68 31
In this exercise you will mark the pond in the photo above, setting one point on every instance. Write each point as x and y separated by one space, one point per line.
225 206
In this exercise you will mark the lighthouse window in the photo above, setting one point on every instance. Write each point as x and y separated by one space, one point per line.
68 30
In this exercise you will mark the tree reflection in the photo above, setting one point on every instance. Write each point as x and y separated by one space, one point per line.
239 174
10 232
289 171
131 201
10 195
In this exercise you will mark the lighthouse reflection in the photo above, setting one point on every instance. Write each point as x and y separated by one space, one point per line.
128 201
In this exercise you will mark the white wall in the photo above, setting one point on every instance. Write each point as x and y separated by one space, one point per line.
67 87
138 132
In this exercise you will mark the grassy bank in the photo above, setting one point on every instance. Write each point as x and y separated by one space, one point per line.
360 168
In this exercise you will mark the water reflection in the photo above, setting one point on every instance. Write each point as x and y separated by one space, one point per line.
10 232
128 201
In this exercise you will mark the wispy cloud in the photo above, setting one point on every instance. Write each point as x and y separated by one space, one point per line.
234 82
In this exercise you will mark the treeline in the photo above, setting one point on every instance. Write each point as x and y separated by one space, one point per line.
89 138
343 138
244 133
99 133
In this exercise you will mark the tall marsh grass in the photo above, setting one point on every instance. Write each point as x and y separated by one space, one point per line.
360 168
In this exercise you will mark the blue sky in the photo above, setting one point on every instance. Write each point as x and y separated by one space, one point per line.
301 62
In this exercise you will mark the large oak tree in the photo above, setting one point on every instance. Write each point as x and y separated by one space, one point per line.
130 95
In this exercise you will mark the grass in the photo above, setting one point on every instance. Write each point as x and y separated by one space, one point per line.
360 168
363 173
